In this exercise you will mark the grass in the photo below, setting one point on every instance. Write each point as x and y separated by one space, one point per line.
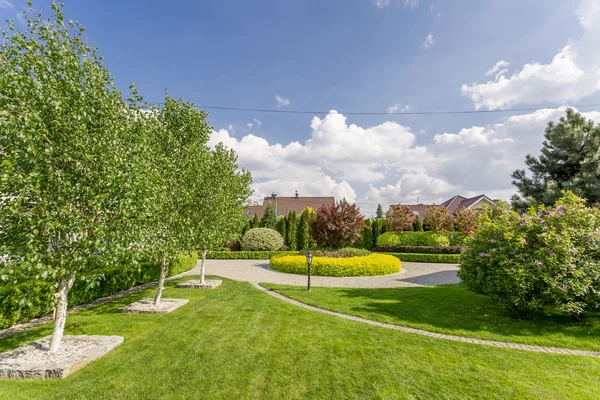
450 309
236 342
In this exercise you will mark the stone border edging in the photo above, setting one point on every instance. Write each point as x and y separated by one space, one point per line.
13 330
506 345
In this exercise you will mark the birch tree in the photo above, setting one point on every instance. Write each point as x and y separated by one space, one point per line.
70 184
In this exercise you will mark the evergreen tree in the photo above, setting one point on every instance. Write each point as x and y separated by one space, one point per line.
379 214
365 241
254 223
569 160
376 229
292 230
282 227
269 220
303 234
418 225
247 226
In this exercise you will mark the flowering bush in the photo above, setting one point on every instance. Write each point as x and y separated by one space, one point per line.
465 221
545 261
400 218
438 220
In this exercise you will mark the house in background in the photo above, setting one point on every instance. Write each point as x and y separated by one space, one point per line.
454 204
283 205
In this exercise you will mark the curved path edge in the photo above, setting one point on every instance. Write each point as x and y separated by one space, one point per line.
505 345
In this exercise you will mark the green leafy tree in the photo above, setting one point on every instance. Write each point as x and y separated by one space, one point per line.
379 213
417 225
438 220
569 160
337 225
269 219
292 230
254 223
73 185
303 232
282 226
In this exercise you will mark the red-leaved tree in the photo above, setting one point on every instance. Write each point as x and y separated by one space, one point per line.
337 225
438 220
465 221
400 218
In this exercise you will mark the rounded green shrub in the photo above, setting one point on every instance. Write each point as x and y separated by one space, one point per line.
262 239
393 238
545 261
374 264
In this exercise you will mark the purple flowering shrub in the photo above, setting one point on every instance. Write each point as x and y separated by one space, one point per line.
546 261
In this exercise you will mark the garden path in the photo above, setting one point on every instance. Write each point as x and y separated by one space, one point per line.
412 274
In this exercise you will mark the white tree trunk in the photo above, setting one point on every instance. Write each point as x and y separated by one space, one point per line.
202 266
164 270
61 313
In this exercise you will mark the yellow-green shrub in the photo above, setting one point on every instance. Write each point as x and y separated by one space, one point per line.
374 264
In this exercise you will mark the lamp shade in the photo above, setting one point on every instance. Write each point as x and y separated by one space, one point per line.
309 258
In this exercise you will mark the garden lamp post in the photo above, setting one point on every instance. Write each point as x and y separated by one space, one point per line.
309 258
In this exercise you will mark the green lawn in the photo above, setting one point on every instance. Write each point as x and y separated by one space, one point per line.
236 342
450 309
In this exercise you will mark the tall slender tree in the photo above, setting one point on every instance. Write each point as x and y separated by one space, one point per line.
269 219
376 227
379 213
73 184
303 233
282 227
292 230
254 223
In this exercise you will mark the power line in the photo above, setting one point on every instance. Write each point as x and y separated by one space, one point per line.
447 112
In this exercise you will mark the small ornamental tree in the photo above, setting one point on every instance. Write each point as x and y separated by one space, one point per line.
465 221
337 225
254 223
545 261
72 187
379 213
400 218
269 219
282 226
303 233
417 225
292 230
438 220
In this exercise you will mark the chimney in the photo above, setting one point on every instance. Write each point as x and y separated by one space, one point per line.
296 194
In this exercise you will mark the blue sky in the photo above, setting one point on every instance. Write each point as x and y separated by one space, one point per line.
359 55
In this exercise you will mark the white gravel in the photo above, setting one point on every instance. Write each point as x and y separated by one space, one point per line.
412 274
37 352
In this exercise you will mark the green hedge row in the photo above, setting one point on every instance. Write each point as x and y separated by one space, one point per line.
24 301
427 258
420 249
374 264
421 239
246 255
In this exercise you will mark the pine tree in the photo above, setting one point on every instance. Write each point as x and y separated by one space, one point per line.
418 225
269 220
292 230
303 234
254 223
376 229
365 241
282 227
569 160
379 214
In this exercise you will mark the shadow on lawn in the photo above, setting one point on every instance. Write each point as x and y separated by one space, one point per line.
433 278
453 308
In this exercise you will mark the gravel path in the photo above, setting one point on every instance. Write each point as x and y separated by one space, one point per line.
412 274
506 345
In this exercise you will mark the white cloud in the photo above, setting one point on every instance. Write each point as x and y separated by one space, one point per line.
249 125
572 74
230 128
428 43
411 3
257 122
6 4
398 108
385 164
381 3
282 101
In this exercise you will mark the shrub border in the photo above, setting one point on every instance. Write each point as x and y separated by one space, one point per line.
420 249
427 258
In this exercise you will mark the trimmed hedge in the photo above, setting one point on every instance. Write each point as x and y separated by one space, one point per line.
428 258
262 239
413 239
24 301
337 253
374 264
246 255
421 249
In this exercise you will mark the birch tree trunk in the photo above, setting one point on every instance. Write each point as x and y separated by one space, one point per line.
202 266
61 313
164 269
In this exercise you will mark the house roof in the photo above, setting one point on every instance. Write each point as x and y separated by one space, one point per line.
453 204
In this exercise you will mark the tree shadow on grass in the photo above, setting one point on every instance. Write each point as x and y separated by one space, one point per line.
434 278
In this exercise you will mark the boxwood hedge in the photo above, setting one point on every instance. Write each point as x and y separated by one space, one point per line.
428 258
421 249
413 239
23 301
374 264
246 255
